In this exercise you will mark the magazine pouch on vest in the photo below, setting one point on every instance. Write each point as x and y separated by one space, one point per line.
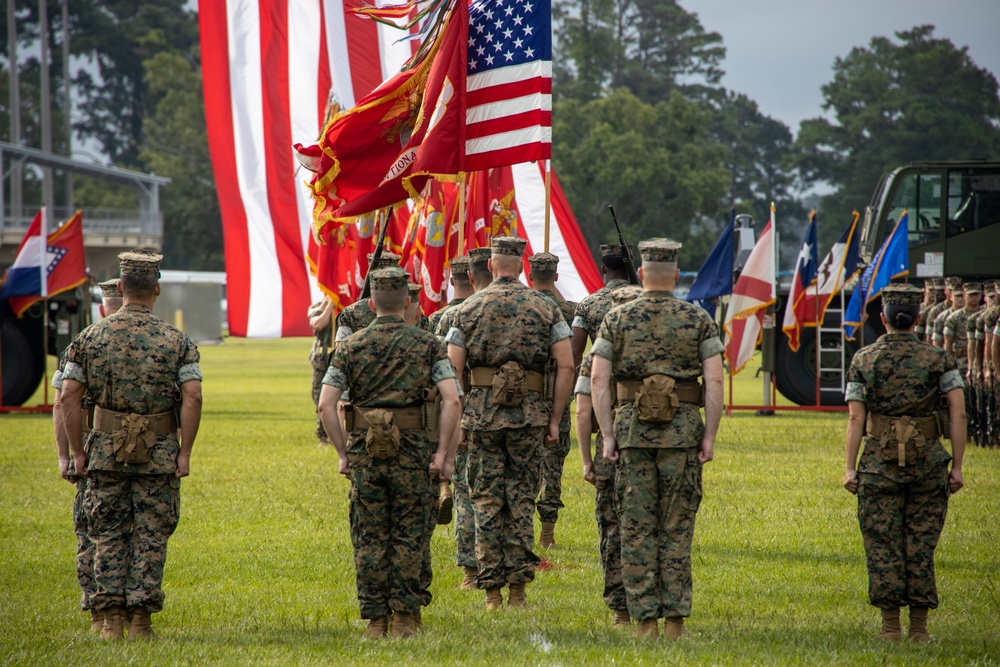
382 439
432 413
509 386
901 439
657 401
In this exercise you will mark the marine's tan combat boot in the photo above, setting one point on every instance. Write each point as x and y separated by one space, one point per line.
673 627
446 502
404 625
96 621
548 537
469 582
891 632
494 599
648 629
114 624
517 599
621 619
140 626
377 628
918 625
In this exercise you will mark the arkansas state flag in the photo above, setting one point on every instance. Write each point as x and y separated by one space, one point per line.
752 294
61 258
803 281
411 127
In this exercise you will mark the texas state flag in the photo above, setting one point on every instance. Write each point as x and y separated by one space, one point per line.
45 264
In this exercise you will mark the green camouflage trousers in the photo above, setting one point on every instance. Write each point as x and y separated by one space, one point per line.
660 495
503 471
319 367
393 509
465 519
131 517
901 522
606 505
84 547
553 460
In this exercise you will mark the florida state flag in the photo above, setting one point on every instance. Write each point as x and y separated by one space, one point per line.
409 128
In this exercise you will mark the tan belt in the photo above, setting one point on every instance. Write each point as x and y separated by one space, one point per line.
688 391
109 421
482 376
879 426
404 418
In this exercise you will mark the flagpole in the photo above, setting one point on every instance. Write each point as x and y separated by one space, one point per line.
45 304
548 200
461 214
816 320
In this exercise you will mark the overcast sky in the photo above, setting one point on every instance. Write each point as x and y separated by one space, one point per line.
779 52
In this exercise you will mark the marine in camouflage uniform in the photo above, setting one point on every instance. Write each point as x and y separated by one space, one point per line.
463 290
131 363
111 301
507 322
589 315
478 277
658 338
359 314
414 316
543 274
902 480
321 321
989 320
393 498
607 499
956 338
933 296
956 302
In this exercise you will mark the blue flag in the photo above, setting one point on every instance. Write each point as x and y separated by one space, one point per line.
891 261
715 277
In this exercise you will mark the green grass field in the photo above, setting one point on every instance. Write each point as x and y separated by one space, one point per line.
260 568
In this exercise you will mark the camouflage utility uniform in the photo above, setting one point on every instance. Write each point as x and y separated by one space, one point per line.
605 509
550 495
901 508
659 470
505 322
130 363
81 509
589 315
393 501
319 358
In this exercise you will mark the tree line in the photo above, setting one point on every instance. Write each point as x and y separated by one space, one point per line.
640 120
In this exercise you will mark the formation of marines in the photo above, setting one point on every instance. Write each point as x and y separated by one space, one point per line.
478 395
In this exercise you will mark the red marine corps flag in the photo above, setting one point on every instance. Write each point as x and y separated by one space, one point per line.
411 127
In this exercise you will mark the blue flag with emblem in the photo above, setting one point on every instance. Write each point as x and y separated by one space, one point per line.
891 261
715 277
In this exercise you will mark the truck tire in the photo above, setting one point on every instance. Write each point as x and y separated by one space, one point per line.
21 364
795 372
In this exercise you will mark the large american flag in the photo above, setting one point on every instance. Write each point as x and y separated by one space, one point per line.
509 84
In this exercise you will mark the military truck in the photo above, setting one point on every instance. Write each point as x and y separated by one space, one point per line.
954 230
22 340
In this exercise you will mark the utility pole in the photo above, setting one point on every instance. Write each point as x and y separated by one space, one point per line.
67 99
48 192
16 203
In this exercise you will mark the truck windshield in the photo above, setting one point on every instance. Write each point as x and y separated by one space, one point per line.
920 194
973 199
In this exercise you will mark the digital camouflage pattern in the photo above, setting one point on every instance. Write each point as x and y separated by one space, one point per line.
393 506
930 316
81 521
606 504
660 495
957 326
504 322
131 362
319 358
465 517
503 473
901 510
591 311
354 318
633 337
939 323
437 317
554 457
659 477
132 518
